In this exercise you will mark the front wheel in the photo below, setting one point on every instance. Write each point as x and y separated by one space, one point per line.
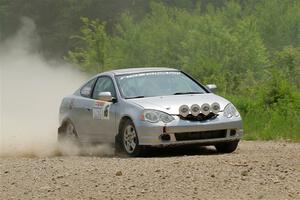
129 139
227 147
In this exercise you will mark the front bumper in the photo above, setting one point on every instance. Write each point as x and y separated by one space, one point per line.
150 134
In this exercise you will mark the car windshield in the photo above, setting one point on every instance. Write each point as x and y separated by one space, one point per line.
150 84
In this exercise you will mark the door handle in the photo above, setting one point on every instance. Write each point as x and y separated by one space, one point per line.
88 109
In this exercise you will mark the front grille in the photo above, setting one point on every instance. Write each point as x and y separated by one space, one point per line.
200 117
200 135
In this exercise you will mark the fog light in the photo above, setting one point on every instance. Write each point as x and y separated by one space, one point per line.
232 132
165 137
184 110
205 108
215 108
195 110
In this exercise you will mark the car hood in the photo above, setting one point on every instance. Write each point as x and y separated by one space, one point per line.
171 104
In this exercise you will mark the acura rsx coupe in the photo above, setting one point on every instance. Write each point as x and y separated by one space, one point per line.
140 107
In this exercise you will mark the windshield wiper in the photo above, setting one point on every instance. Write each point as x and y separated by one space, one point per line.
136 97
179 93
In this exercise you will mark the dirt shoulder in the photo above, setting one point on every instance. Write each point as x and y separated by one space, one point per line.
257 170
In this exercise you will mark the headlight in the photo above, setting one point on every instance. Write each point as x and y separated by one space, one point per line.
155 116
230 111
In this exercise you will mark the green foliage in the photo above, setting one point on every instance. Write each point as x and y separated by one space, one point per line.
138 44
272 110
219 52
276 91
93 56
279 23
288 61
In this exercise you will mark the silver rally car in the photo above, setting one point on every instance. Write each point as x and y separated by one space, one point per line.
139 107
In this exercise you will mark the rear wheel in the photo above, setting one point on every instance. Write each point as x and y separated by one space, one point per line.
227 147
129 139
67 134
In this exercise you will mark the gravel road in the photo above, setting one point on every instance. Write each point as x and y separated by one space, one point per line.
257 170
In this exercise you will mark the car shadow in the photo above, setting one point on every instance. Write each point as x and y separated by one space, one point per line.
188 150
107 150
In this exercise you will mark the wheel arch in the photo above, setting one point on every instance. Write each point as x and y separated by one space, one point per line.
63 124
121 123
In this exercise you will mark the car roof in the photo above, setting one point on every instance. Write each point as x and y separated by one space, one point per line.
140 70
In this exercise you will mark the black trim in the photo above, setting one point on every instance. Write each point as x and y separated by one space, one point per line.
201 135
200 117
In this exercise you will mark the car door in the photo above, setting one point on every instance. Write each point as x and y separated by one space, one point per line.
81 107
103 123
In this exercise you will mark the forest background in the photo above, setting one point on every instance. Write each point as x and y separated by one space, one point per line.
249 48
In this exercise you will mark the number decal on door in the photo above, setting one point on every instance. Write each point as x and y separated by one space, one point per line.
101 110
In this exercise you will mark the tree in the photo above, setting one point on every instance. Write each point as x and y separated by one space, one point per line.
92 57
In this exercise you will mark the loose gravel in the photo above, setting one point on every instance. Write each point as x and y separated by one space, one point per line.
257 170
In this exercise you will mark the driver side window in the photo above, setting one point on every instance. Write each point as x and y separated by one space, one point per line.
104 84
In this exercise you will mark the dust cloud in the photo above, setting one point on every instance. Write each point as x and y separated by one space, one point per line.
31 90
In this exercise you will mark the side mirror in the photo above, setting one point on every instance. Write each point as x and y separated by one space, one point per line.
211 87
105 96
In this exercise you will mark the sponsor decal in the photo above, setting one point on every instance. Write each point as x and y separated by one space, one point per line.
101 110
149 74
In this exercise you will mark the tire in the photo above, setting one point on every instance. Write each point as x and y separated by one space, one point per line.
68 134
128 139
227 147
